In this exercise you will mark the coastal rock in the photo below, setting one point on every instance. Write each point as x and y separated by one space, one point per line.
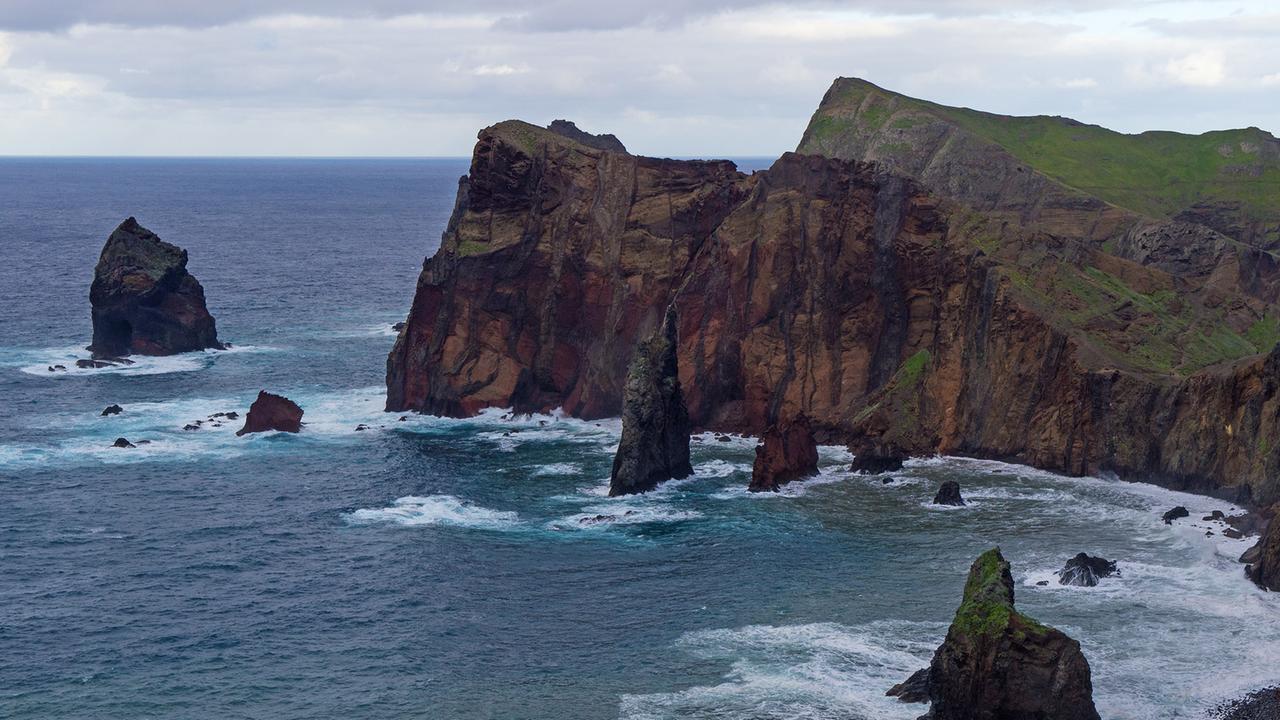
122 443
1258 705
566 128
112 410
1174 514
914 689
891 317
949 494
997 663
144 300
1265 568
1085 570
655 423
272 412
787 452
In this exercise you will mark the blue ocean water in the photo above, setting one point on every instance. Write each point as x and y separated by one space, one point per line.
432 568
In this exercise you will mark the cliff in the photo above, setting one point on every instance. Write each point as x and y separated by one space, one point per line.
893 318
143 299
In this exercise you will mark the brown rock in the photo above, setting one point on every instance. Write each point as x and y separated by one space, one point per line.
272 412
1265 569
787 452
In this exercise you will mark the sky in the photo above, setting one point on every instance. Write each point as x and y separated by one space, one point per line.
673 78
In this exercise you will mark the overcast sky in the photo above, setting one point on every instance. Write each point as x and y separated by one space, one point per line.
669 77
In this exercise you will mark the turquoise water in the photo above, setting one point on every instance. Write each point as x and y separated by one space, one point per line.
433 568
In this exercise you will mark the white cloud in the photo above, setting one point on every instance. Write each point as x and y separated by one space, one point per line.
501 69
1202 69
1084 83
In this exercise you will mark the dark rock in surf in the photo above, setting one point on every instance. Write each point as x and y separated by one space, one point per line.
398 326
1258 705
1215 515
1250 556
949 494
272 412
914 689
1265 568
122 443
787 452
874 463
998 664
1085 570
655 422
1174 514
112 410
144 300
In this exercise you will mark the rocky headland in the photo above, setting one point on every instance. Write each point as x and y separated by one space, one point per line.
898 314
143 299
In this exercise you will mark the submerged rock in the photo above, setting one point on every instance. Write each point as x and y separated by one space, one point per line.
949 494
1085 570
112 410
998 664
272 412
655 422
787 452
1174 514
122 443
144 300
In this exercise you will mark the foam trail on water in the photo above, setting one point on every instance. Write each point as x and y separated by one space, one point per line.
415 511
38 361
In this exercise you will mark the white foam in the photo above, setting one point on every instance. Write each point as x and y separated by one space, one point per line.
435 510
38 362
815 671
557 469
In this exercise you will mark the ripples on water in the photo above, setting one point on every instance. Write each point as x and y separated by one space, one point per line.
476 568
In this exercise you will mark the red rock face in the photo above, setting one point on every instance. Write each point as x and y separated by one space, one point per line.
272 412
786 452
830 289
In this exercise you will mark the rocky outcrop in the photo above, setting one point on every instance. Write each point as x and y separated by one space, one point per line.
122 443
568 129
949 494
997 663
1175 513
144 300
655 423
269 412
1085 570
112 410
787 452
895 321
1264 568
914 689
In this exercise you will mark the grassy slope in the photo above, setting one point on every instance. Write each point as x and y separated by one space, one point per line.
1154 173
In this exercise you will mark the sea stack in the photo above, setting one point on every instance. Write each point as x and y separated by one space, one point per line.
144 300
272 412
1265 568
998 663
655 422
787 452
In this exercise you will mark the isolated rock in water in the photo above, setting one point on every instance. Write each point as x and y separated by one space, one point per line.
997 663
655 422
787 452
1174 514
1086 570
1265 568
914 689
272 412
566 128
870 458
122 443
949 494
143 299
112 410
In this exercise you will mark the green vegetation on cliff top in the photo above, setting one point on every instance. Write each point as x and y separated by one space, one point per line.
1154 173
987 607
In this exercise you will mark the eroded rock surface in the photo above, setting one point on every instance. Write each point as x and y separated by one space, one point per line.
269 412
997 663
1086 570
144 300
1264 559
787 452
655 423
949 494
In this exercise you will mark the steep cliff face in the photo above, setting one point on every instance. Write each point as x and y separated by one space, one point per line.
894 320
143 299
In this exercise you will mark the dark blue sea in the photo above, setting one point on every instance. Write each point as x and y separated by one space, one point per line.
432 568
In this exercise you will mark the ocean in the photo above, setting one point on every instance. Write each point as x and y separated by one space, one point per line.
436 568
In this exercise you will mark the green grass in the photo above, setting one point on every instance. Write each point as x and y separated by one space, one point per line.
1154 173
987 608
471 247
